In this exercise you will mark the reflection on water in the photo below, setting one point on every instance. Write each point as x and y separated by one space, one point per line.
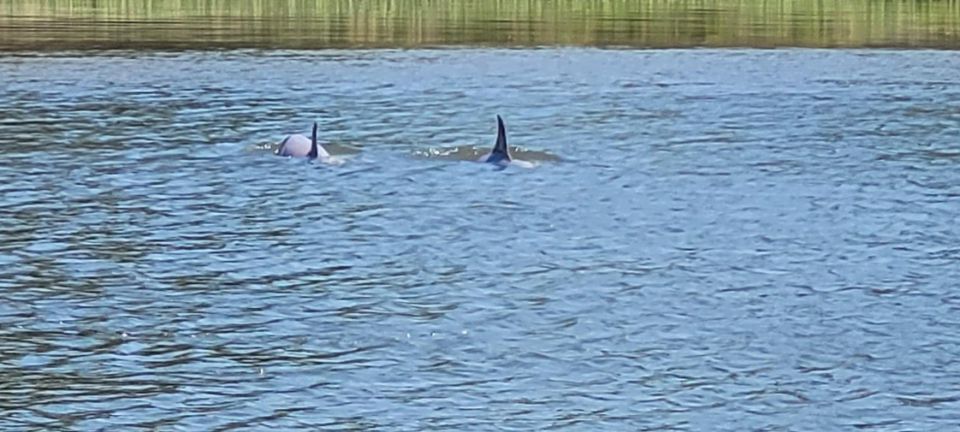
67 24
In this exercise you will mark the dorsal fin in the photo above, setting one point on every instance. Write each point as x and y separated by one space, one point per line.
313 143
501 148
282 145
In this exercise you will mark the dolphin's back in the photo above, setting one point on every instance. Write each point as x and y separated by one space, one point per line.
295 145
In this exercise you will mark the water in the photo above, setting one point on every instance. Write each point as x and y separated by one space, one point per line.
713 240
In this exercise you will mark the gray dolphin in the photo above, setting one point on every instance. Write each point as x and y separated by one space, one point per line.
297 145
500 155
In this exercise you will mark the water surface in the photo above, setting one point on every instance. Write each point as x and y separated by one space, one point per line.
733 240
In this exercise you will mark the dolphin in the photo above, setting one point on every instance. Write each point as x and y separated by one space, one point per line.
500 155
297 145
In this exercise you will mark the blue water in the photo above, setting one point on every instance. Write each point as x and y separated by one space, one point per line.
711 240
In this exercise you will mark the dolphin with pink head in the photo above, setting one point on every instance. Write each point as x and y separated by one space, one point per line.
297 145
500 155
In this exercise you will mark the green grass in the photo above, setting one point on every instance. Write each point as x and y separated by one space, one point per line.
33 24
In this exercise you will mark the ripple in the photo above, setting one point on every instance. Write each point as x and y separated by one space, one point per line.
724 252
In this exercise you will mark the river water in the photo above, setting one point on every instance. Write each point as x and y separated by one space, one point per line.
712 239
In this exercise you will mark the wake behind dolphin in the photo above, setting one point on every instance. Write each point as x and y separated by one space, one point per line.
297 145
500 155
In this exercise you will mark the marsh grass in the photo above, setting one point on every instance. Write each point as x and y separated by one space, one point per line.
310 24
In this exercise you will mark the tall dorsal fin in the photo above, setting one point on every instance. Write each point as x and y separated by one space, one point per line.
501 148
313 143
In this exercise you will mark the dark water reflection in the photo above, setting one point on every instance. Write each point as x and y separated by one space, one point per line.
313 24
733 240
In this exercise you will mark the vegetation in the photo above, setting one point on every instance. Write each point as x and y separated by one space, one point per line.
342 23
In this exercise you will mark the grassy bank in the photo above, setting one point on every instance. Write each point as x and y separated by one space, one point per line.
53 24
